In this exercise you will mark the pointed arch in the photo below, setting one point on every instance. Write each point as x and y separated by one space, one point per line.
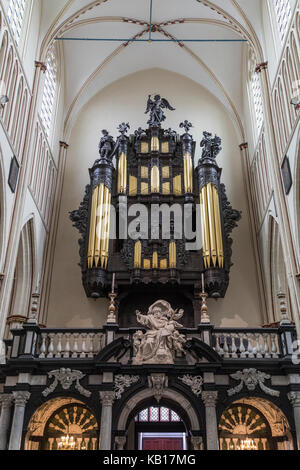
2 209
277 272
24 273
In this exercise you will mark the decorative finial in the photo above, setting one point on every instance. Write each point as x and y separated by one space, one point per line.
204 309
283 309
186 125
112 307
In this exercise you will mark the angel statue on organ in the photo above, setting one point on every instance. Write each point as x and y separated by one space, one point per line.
160 343
155 107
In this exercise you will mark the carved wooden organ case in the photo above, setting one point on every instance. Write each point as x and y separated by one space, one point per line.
153 167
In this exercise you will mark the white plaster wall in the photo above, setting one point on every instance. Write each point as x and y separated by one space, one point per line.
125 100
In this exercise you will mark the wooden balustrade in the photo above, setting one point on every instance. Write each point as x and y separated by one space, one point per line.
64 344
252 344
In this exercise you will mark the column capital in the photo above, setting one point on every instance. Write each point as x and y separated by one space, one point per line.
209 398
40 65
21 398
243 146
294 398
107 397
63 144
6 400
260 67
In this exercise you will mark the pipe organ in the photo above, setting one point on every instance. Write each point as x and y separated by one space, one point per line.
155 167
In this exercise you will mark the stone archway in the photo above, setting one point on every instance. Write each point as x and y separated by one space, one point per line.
257 421
169 395
40 419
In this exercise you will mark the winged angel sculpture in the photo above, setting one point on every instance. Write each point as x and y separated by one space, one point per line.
155 107
160 343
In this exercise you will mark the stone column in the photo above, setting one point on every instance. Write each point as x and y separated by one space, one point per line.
107 399
21 399
6 403
294 398
209 399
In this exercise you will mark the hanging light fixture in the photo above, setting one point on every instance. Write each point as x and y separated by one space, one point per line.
247 444
66 443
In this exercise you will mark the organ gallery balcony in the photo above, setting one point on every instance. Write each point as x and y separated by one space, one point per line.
30 343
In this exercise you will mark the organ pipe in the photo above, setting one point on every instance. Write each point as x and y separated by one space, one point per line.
99 227
172 255
188 173
213 253
122 174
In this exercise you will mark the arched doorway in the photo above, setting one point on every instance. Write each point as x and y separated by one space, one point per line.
174 416
254 424
63 423
159 428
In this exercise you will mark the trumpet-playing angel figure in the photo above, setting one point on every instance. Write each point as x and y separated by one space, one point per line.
155 107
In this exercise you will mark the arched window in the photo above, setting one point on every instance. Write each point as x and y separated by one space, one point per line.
255 96
257 101
283 12
16 13
49 94
157 414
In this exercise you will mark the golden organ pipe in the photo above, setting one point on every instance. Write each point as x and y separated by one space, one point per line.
138 254
155 179
92 228
99 221
122 174
106 246
219 239
206 223
104 226
212 229
172 255
155 260
203 231
188 173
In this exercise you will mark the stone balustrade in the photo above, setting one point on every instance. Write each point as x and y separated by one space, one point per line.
229 343
64 344
251 344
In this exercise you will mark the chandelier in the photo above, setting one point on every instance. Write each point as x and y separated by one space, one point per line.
66 443
247 444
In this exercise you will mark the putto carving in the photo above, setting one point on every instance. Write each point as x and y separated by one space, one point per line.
194 383
252 379
161 342
66 378
158 383
122 382
155 107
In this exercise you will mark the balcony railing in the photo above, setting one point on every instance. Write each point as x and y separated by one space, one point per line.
46 344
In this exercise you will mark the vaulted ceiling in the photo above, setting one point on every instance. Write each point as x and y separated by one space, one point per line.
91 65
